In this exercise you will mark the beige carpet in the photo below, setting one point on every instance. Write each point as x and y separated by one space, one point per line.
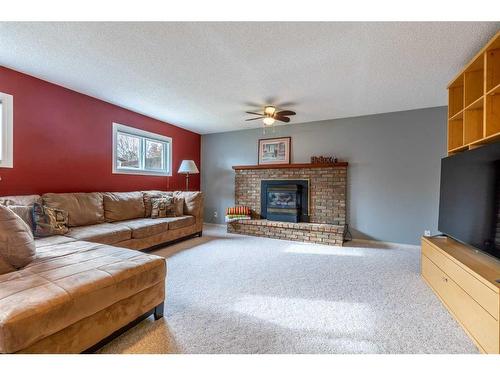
239 294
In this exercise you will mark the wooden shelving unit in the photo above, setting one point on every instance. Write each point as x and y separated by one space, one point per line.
474 101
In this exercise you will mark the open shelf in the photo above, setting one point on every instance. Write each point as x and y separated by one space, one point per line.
495 90
492 69
474 101
457 116
474 81
476 104
489 139
456 97
455 134
473 125
492 115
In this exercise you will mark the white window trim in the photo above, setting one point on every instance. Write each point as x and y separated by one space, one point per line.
142 133
7 131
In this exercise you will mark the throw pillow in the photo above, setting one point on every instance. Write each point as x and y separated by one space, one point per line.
162 207
148 195
49 221
5 267
179 206
25 213
17 245
6 202
193 201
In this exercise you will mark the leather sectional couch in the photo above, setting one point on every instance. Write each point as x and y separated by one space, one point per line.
90 283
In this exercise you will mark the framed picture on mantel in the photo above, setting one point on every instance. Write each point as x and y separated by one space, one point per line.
274 150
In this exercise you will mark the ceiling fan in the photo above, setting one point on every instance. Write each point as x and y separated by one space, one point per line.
271 114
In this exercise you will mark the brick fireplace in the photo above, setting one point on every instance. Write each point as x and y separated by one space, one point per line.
308 201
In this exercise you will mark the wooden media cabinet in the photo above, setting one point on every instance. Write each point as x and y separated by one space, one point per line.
468 283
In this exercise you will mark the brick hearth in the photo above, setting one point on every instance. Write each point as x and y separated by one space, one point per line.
327 210
303 232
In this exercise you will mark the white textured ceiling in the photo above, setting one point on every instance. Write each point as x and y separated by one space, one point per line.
203 76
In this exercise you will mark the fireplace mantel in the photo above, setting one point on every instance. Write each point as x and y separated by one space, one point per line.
284 166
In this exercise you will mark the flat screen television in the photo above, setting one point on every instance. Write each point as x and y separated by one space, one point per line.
469 202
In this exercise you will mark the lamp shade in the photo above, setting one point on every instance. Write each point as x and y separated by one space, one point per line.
188 166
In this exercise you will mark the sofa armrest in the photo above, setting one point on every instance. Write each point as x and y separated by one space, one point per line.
193 204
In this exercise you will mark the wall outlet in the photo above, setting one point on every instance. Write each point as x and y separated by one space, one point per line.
427 233
216 214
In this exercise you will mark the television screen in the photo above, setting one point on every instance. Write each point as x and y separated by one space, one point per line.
469 202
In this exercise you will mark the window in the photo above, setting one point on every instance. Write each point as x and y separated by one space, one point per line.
137 151
6 130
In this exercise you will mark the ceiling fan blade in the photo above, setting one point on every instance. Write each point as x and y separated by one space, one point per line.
286 104
285 113
254 105
282 118
255 118
255 113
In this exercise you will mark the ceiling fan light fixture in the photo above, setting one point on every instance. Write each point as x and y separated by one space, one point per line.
268 121
270 115
269 110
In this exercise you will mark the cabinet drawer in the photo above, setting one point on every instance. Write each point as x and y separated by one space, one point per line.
481 325
486 297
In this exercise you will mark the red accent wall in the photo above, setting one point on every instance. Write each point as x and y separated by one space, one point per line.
63 141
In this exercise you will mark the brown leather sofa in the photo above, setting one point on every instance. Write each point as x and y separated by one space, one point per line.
87 285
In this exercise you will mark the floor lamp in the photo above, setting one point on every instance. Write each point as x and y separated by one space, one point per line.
188 167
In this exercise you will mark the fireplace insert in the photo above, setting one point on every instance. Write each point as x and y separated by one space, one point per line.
284 200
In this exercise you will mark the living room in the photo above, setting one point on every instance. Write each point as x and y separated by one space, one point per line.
283 187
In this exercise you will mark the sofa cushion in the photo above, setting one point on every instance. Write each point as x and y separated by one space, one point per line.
123 206
181 222
68 283
193 201
146 227
82 208
17 245
149 194
20 200
52 240
106 233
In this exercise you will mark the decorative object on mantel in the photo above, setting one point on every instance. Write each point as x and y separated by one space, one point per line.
188 167
274 150
271 114
237 213
323 160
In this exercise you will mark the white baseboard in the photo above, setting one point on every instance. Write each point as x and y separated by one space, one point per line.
381 244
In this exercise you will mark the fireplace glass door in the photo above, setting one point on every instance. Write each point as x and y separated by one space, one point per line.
283 202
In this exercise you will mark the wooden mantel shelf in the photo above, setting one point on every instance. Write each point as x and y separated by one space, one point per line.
284 166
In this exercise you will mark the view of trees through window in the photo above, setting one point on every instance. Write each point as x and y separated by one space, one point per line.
154 155
129 152
136 151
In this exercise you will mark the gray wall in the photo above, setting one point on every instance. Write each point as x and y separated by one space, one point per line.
393 174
